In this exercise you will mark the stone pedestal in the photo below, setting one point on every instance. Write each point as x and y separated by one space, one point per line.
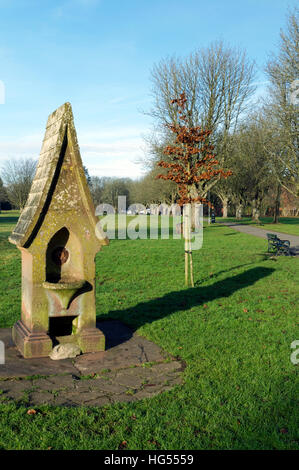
58 237
91 339
31 344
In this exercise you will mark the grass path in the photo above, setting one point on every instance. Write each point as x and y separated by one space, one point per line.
289 225
260 232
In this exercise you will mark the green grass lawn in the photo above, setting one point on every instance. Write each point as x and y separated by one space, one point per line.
233 330
289 225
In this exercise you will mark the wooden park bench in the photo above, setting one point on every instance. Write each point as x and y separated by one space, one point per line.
277 246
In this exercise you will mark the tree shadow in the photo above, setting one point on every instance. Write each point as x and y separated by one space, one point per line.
148 312
232 224
5 235
223 271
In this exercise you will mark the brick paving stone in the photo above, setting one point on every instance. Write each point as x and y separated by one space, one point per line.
100 401
124 397
15 389
129 378
167 367
53 384
17 366
41 398
107 386
132 368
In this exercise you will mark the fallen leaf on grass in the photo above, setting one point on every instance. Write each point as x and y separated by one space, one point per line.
155 443
122 445
284 430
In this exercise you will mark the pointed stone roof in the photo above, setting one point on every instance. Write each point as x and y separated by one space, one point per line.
60 131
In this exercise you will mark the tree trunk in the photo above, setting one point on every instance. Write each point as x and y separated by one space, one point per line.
187 216
195 216
186 237
195 220
277 205
255 211
224 206
239 210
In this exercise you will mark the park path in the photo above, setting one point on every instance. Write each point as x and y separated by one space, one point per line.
258 232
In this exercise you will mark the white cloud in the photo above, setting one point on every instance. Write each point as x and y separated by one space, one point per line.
112 151
27 146
116 168
105 151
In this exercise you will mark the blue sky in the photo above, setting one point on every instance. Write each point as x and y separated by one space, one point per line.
98 54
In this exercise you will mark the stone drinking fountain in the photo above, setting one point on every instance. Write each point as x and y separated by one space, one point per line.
58 237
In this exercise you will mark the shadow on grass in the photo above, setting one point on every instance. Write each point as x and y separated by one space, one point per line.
263 256
148 312
291 221
232 224
5 235
8 220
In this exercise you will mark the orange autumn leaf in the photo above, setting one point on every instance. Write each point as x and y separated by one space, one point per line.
192 157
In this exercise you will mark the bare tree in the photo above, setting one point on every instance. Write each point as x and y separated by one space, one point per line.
254 177
3 194
281 109
18 175
217 82
150 190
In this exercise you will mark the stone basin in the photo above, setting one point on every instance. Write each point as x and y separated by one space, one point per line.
64 289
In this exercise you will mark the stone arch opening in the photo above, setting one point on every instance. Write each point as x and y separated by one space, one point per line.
57 255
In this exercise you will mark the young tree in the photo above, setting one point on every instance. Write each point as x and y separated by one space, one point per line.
218 83
192 162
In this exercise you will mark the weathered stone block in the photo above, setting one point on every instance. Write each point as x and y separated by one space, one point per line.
31 344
